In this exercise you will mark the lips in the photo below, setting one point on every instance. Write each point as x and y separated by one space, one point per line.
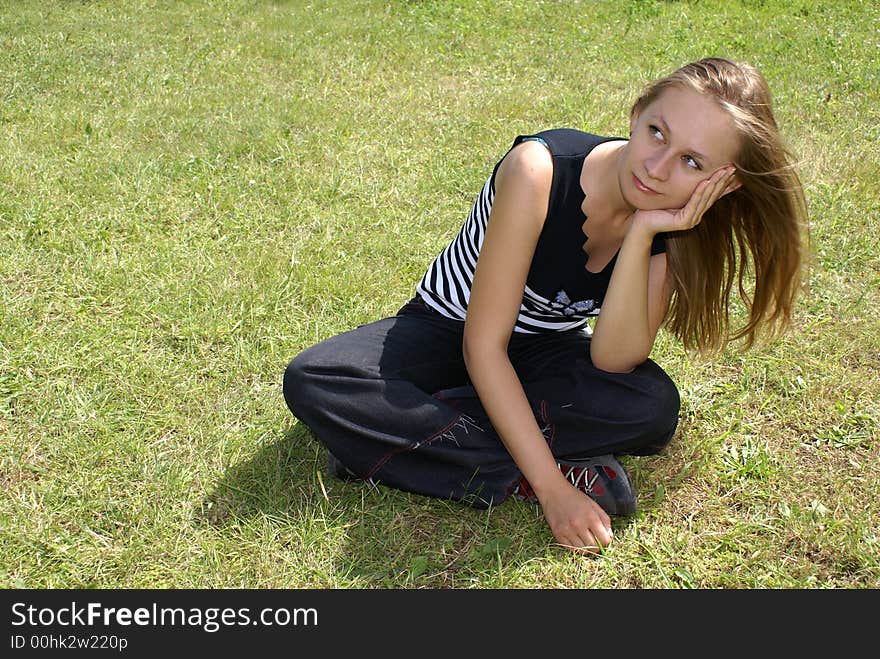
641 187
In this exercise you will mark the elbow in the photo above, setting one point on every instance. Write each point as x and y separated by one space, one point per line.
612 367
614 354
467 351
615 363
476 349
470 349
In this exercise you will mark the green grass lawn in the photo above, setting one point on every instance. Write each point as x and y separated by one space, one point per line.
193 192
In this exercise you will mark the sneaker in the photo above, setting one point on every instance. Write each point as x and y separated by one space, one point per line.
336 468
602 478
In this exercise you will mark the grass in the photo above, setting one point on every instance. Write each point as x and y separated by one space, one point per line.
194 192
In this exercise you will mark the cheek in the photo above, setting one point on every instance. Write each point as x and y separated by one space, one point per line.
683 189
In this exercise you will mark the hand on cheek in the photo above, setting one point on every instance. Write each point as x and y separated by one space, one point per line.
706 193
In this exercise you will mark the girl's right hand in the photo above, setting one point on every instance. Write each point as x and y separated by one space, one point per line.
578 523
707 192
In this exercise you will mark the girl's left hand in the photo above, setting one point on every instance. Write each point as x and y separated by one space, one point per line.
704 195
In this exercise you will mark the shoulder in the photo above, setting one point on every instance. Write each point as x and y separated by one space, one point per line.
528 164
568 142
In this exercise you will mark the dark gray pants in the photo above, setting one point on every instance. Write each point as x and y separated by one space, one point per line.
393 402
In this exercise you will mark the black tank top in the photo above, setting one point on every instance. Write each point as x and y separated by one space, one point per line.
560 293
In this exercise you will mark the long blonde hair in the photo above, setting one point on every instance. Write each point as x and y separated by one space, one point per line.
755 229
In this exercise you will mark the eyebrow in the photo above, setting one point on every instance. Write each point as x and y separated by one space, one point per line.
693 151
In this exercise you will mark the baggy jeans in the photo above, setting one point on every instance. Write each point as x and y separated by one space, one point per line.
393 402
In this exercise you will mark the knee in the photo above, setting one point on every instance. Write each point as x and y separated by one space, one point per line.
667 403
662 406
298 383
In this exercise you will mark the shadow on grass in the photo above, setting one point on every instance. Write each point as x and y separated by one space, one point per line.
378 537
272 482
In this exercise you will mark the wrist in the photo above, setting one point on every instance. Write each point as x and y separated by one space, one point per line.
640 230
550 485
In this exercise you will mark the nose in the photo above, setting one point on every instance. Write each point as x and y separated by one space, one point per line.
658 164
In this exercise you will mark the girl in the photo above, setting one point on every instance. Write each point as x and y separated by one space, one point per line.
489 382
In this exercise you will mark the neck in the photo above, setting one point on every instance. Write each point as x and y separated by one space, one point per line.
603 183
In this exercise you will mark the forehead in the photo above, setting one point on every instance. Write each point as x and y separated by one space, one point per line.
696 122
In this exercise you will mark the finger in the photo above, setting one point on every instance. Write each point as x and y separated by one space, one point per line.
707 192
726 180
603 535
701 194
579 545
596 535
587 548
724 186
732 184
585 541
717 182
604 521
726 177
695 207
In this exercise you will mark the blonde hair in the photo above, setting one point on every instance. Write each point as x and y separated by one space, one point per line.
755 229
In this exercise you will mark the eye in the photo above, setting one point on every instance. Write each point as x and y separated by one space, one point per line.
655 132
690 162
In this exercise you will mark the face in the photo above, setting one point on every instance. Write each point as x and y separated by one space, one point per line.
677 141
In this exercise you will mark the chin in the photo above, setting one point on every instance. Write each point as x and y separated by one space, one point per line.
657 205
638 203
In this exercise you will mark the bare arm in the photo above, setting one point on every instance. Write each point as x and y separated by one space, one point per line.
634 305
638 293
522 188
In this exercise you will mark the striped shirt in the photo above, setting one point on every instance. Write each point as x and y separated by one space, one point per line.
560 293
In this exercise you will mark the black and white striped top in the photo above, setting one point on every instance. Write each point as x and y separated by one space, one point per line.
560 293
